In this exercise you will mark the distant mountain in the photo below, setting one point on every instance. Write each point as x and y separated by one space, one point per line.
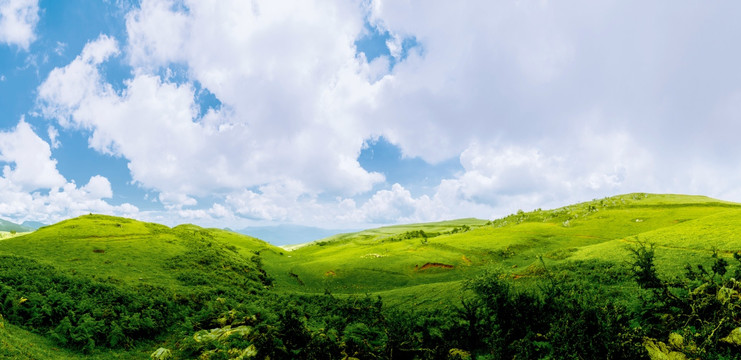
290 234
9 226
33 224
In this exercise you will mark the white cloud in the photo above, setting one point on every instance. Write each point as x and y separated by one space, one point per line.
60 48
286 93
276 201
100 50
156 33
398 205
31 187
67 88
543 103
28 160
284 203
53 135
18 19
174 200
98 187
219 211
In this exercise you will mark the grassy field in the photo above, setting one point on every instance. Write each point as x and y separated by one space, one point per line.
402 264
408 266
123 249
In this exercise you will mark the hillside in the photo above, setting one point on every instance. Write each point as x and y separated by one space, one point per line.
686 228
128 250
77 285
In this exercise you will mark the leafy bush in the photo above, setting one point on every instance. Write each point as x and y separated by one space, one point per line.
560 321
702 307
80 312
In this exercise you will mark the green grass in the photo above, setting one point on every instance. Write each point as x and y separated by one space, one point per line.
408 266
684 228
131 251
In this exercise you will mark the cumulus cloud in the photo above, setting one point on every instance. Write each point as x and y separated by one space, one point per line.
28 160
542 103
33 189
18 19
529 70
284 90
504 178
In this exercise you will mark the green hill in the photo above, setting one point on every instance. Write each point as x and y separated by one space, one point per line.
411 255
111 287
132 251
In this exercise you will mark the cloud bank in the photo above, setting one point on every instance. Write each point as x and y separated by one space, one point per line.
542 103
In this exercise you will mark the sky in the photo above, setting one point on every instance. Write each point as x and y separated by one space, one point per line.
356 114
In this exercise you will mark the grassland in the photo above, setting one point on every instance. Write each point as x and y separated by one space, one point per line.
391 260
131 251
408 266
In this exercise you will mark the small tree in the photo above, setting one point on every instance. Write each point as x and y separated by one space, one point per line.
643 266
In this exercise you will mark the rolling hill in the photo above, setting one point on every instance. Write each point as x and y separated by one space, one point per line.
130 250
206 278
685 228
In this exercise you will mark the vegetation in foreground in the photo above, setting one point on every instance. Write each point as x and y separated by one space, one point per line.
586 281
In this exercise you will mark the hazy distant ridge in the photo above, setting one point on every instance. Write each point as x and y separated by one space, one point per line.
290 234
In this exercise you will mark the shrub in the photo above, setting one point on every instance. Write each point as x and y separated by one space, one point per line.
704 305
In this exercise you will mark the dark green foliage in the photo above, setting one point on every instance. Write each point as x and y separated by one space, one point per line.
80 312
414 234
425 333
595 274
460 229
219 320
703 307
643 266
559 321
84 313
210 262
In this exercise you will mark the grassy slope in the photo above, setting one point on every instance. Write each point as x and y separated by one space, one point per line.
123 249
380 261
685 229
128 252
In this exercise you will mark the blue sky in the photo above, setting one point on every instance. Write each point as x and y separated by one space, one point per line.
351 114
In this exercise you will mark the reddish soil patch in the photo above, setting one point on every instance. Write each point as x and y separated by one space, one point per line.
436 265
330 273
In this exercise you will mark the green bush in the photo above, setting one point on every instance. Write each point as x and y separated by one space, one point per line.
702 307
560 321
80 312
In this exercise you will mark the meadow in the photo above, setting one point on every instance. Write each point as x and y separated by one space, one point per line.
620 277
